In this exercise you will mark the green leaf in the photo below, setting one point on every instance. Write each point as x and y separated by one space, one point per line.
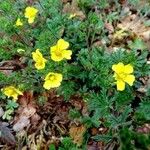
73 113
11 105
52 147
137 44
143 111
105 138
121 119
147 23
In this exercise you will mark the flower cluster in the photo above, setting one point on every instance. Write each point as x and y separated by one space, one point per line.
30 14
58 53
123 75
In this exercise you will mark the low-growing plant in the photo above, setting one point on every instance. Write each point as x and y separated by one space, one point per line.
53 51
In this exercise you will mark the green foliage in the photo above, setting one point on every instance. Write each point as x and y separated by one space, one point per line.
11 105
143 111
67 89
120 119
132 140
52 147
10 108
100 103
88 74
73 114
105 138
42 100
137 44
67 144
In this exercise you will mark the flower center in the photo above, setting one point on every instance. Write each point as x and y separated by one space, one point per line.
58 53
121 76
52 77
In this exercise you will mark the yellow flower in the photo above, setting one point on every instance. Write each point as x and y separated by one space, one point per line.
11 91
123 75
72 15
39 59
18 22
59 52
30 13
52 80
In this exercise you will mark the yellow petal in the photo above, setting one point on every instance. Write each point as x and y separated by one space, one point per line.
30 12
52 80
130 79
62 44
48 84
56 57
128 69
39 59
48 75
11 91
53 49
18 92
36 55
120 85
67 54
40 65
15 96
31 20
72 15
118 68
18 22
59 77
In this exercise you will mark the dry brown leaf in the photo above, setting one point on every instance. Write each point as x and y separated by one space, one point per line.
144 129
134 24
1 112
7 67
109 27
21 123
23 120
95 146
76 133
73 9
5 135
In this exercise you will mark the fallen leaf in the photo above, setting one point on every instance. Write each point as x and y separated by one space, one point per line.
23 120
77 133
73 10
5 135
144 129
1 112
21 123
94 146
109 27
135 24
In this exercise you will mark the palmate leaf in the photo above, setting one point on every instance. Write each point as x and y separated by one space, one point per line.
143 111
121 120
100 103
137 44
